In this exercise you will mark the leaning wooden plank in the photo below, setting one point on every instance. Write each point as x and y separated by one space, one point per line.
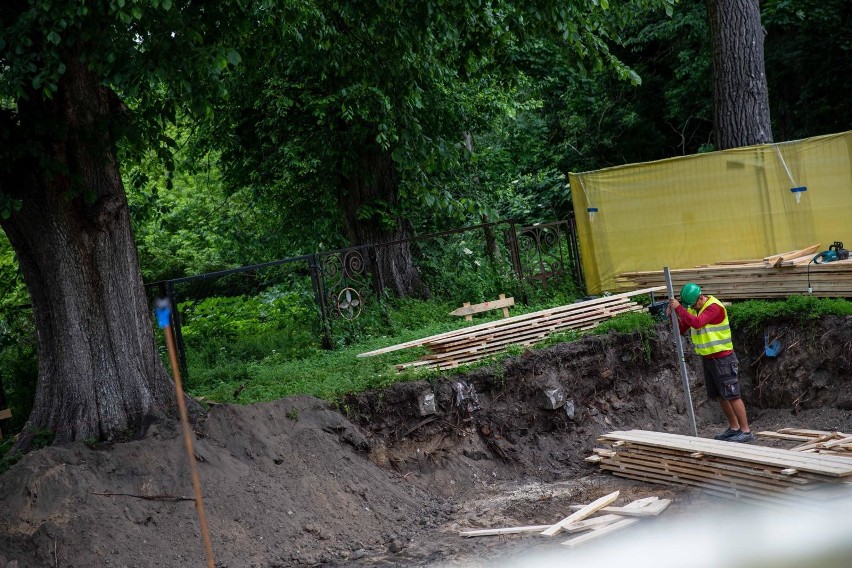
584 512
509 530
533 315
651 510
5 413
597 533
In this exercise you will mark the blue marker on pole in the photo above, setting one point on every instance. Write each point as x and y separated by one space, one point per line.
163 311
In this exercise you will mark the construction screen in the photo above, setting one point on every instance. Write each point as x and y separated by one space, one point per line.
743 203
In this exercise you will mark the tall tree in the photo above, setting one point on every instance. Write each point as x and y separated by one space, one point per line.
359 104
741 96
75 79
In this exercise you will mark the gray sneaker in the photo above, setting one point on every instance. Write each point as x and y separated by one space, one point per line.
727 434
742 437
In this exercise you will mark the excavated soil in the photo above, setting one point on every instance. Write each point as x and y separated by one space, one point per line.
382 480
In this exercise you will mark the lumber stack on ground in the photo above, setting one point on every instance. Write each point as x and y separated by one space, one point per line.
775 276
757 474
448 350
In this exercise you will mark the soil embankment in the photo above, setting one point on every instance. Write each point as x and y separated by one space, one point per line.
296 482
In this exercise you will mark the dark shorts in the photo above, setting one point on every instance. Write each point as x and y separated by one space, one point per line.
722 377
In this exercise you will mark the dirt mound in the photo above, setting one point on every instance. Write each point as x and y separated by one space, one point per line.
296 483
285 483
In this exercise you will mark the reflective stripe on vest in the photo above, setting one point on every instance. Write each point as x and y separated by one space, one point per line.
712 338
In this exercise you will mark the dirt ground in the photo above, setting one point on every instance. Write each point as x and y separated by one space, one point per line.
381 480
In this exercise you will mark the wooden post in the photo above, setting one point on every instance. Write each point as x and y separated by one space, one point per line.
468 317
505 309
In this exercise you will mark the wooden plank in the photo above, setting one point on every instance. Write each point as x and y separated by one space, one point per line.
782 436
533 315
468 309
584 512
826 465
464 349
597 533
775 259
591 523
651 510
509 530
733 467
5 414
677 470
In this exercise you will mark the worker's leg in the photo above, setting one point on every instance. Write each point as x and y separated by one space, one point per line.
733 420
739 410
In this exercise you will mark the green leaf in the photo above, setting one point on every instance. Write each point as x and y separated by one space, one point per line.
234 57
54 38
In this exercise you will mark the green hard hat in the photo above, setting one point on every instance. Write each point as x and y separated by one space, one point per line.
689 293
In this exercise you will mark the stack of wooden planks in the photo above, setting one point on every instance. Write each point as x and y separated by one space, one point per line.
767 476
775 276
814 441
469 344
582 520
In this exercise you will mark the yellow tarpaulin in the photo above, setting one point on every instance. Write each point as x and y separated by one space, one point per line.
742 203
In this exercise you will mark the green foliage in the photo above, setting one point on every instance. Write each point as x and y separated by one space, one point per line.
627 323
18 364
753 315
225 336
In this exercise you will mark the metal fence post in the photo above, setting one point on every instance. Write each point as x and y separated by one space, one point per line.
181 348
515 253
319 296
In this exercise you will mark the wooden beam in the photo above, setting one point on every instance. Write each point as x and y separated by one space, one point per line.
509 530
597 533
584 512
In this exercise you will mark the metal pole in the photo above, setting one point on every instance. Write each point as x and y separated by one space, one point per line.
680 356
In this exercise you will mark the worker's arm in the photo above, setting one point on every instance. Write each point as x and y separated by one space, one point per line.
713 314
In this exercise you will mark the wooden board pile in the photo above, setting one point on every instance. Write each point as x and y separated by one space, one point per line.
814 441
767 476
469 344
583 522
775 276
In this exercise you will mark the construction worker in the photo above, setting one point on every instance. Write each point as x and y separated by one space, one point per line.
707 320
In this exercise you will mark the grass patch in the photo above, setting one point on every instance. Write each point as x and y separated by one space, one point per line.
330 375
752 316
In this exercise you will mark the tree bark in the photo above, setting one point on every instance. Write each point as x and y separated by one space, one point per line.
741 97
374 184
99 374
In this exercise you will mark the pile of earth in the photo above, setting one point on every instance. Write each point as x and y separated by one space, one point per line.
387 477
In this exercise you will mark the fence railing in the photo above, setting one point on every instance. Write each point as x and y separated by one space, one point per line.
330 292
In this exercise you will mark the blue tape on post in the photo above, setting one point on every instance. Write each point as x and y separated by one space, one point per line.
798 189
592 209
163 311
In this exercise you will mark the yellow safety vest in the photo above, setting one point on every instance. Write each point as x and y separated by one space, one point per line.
713 337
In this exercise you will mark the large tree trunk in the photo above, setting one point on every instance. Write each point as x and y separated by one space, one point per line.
374 184
741 98
99 373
